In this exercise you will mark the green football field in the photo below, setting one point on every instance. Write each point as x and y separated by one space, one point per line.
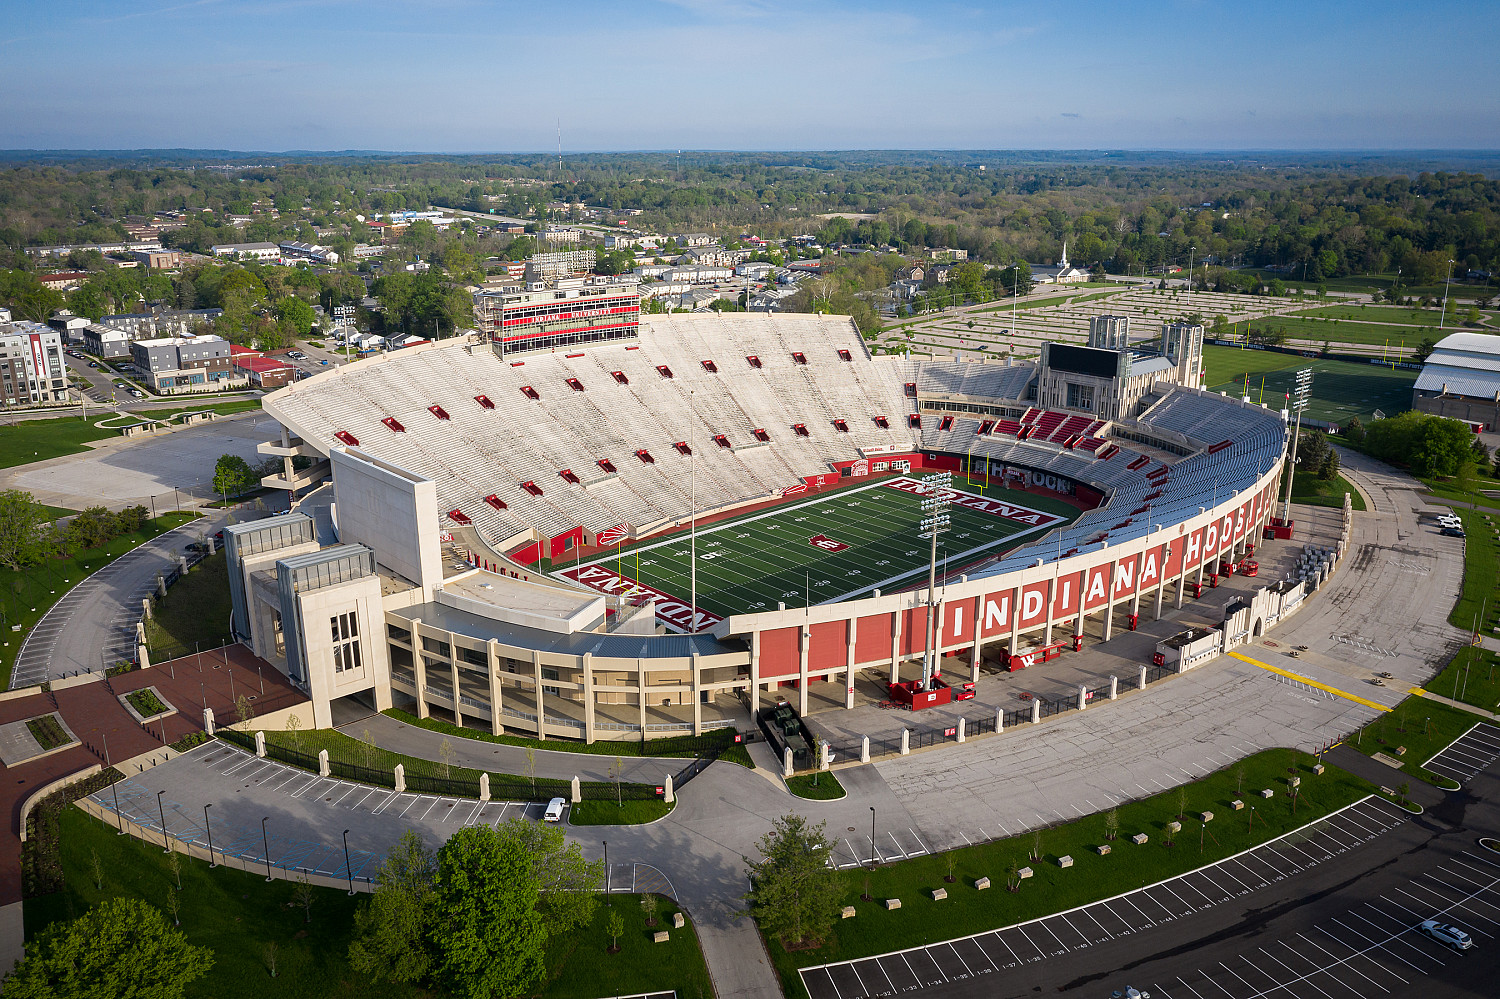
823 548
1340 389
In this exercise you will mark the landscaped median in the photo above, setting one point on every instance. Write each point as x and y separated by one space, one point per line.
1414 732
364 762
1093 873
719 741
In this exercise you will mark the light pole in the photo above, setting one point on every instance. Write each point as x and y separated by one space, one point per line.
935 505
348 868
1443 316
693 524
606 871
872 835
266 842
1190 271
1299 403
210 830
165 843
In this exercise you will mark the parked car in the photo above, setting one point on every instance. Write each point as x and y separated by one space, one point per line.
554 812
1452 532
1445 933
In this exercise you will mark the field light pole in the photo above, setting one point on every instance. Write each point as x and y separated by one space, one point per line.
1443 316
1299 403
693 524
935 505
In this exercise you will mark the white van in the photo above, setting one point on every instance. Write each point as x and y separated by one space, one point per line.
554 812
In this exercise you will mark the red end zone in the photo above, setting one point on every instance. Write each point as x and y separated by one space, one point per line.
678 613
994 507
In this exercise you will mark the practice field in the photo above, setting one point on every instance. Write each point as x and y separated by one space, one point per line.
1341 389
820 550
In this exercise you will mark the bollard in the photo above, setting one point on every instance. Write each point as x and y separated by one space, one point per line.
962 725
1083 697
1036 711
786 762
322 763
577 791
864 750
667 794
999 720
400 778
906 742
1114 687
260 744
484 787
208 720
145 607
1141 683
823 755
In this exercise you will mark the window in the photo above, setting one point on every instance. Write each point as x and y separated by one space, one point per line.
1081 397
346 642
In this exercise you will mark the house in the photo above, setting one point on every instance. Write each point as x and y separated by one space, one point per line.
105 341
260 371
63 280
716 256
691 239
69 325
944 253
939 273
265 252
916 272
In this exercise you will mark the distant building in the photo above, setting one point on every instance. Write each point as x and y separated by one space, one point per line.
564 313
292 250
185 364
69 325
247 251
106 341
551 266
158 259
161 322
691 239
260 371
32 372
1461 380
63 280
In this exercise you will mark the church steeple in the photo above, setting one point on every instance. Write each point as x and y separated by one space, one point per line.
1063 263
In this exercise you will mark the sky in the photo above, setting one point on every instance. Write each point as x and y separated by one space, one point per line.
499 76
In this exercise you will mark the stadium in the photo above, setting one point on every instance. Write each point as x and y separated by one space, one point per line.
581 522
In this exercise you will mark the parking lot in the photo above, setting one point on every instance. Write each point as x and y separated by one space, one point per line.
1468 754
185 822
1374 948
1058 935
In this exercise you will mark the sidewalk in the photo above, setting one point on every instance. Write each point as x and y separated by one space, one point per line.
1460 705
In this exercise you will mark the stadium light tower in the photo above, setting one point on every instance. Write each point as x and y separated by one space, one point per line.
1300 394
936 501
693 528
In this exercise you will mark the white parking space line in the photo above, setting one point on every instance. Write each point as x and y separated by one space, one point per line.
1314 944
1190 988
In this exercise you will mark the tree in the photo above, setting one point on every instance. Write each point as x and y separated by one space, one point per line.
614 925
1112 823
297 313
795 894
304 896
569 884
1424 349
232 476
26 535
390 930
120 947
483 921
1353 431
649 903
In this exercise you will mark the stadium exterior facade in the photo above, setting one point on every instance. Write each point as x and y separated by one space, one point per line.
448 611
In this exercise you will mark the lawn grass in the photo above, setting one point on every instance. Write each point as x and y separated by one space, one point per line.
1423 726
1396 314
816 787
921 920
603 812
1470 677
25 597
236 914
48 732
675 747
194 614
37 440
1481 572
1314 491
1341 389
146 702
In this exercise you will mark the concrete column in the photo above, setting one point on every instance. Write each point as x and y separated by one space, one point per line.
640 686
977 655
322 763
458 710
999 720
1036 711
208 720
1083 697
1161 590
1140 684
588 696
541 714
260 744
146 608
1083 589
667 793
754 675
1109 601
1051 603
823 755
864 749
962 728
906 742
896 645
786 762
497 688
400 777
851 630
484 787
1181 585
576 791
419 668
1114 687
1015 620
804 635
697 682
